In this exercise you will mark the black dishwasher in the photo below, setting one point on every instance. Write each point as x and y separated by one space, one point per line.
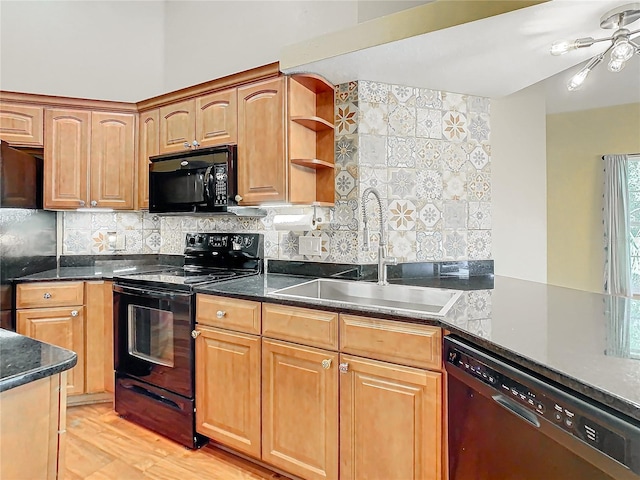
505 424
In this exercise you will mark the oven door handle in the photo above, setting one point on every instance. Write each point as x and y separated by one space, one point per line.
158 294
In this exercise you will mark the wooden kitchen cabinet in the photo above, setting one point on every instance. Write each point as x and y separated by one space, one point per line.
390 421
148 146
89 159
60 326
228 388
209 119
100 376
300 409
22 125
262 173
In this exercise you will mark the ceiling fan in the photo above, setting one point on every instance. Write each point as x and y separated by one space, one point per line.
622 45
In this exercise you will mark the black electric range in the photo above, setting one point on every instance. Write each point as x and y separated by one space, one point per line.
154 317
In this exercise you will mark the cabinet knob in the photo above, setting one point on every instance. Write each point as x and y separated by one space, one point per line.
326 363
47 296
94 203
238 198
82 204
195 144
186 145
195 333
74 313
343 367
220 313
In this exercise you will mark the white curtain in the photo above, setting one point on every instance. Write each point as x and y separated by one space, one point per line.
617 272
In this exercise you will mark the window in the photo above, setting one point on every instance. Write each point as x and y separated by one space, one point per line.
634 252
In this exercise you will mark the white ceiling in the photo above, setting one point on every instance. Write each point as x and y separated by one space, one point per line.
498 56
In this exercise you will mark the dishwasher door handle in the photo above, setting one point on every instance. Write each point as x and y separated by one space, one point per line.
516 409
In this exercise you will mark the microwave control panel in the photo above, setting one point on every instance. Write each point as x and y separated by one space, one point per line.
220 185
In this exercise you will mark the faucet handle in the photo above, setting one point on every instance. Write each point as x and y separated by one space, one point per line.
365 233
391 260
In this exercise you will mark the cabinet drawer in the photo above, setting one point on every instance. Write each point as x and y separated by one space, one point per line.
300 325
392 341
229 313
49 294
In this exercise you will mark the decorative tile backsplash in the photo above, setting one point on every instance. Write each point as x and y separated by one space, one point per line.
427 152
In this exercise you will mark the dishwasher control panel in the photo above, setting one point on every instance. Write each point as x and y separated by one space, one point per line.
539 399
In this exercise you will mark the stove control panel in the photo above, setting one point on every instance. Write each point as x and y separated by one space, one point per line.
225 250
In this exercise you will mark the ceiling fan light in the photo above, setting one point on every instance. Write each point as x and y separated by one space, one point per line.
562 47
623 50
616 65
578 79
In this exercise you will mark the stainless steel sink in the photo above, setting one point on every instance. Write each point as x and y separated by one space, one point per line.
391 298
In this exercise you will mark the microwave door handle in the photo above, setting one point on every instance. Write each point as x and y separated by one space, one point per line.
207 185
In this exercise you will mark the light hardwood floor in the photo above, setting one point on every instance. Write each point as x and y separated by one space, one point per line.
102 446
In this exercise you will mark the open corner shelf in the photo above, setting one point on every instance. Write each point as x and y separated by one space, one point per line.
314 163
314 123
312 82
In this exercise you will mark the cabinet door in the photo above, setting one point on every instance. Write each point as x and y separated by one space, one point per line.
390 421
148 146
228 389
63 327
21 124
217 118
113 154
66 158
261 142
300 409
99 335
177 126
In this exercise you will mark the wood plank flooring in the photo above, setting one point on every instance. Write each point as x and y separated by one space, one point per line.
102 446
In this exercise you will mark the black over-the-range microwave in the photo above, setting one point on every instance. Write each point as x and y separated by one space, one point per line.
202 180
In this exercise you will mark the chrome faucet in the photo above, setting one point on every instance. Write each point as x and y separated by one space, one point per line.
383 259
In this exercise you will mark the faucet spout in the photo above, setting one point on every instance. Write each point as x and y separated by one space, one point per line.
383 259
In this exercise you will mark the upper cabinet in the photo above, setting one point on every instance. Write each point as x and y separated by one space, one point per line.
204 121
21 125
89 159
148 146
262 175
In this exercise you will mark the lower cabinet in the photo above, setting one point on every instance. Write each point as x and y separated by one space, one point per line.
60 326
228 388
300 409
390 421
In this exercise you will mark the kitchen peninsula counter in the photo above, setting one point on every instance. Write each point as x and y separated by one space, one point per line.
580 340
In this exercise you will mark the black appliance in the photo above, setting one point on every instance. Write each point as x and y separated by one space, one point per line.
505 423
20 178
154 316
202 180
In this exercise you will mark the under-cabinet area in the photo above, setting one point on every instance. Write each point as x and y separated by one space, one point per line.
313 392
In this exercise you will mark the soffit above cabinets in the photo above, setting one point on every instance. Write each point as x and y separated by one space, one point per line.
484 48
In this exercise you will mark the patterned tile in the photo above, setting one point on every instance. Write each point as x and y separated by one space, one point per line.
206 224
402 245
455 215
77 220
428 153
346 118
478 104
289 245
133 241
479 305
455 245
429 123
402 94
347 92
345 184
76 242
189 224
402 120
426 98
345 216
479 244
401 152
480 215
103 221
343 247
152 241
479 158
402 215
479 187
431 214
455 156
454 126
128 221
373 92
271 245
478 128
454 185
402 183
454 101
429 184
374 178
150 221
373 150
100 242
346 149
373 118
429 246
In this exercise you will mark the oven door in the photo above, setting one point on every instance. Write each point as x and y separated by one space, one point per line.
152 337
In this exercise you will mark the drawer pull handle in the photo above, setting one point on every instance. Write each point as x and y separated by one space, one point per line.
47 296
220 313
343 367
195 333
74 313
326 363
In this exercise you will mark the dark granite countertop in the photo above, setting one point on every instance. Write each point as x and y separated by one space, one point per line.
23 360
95 272
576 339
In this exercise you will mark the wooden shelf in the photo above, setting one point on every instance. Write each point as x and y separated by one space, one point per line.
314 163
316 124
315 83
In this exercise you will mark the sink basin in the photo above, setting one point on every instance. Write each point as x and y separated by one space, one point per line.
391 298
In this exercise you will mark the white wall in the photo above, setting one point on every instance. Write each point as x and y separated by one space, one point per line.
94 49
210 39
519 192
370 9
